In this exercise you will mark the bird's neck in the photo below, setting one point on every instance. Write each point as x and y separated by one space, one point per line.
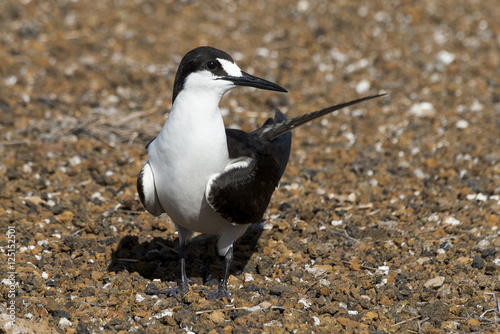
197 111
196 125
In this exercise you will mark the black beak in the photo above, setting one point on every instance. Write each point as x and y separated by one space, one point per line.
253 81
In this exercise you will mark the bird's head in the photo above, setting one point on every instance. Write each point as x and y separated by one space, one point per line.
206 69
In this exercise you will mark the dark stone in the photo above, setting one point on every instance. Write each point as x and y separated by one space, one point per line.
57 209
61 314
284 206
13 174
87 292
82 328
477 262
353 231
184 317
489 254
251 288
52 283
491 268
278 289
118 324
151 289
109 241
436 311
265 266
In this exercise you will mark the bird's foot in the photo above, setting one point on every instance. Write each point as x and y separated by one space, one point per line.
181 289
219 293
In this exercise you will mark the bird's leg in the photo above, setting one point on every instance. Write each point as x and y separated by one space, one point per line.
183 286
221 291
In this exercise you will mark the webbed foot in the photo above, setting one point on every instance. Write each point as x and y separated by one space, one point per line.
220 292
181 289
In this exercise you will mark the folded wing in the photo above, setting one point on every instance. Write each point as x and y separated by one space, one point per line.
241 193
147 191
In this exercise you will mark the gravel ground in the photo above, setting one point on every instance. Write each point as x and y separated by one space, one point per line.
386 220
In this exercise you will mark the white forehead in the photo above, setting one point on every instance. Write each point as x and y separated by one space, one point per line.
231 68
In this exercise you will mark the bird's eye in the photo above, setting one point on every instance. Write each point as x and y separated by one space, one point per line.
212 65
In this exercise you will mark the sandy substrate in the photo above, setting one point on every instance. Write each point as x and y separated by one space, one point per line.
386 220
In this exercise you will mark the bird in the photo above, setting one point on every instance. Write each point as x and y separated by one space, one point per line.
208 178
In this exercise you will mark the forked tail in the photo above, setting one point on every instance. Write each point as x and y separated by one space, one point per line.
273 130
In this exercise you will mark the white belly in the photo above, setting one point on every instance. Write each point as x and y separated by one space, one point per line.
181 191
183 157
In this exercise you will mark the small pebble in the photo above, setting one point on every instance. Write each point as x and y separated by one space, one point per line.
151 289
424 109
445 58
363 86
462 124
477 262
63 323
435 282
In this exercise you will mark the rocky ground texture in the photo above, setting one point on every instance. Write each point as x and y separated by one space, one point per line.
387 218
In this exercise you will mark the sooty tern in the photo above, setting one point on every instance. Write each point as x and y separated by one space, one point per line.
207 178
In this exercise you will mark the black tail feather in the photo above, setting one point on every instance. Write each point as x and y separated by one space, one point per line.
271 131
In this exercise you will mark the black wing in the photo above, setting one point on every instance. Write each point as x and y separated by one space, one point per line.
241 193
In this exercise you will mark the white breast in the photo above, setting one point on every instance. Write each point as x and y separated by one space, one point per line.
190 148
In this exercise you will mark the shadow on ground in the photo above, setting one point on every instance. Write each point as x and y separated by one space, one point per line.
158 258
